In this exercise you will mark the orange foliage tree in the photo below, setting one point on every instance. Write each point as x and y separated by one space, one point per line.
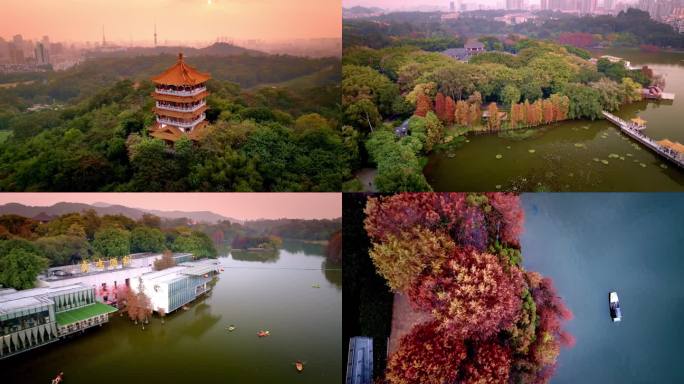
423 105
440 106
493 121
449 111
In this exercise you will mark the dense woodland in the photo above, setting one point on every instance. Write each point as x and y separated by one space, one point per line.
517 83
275 126
457 258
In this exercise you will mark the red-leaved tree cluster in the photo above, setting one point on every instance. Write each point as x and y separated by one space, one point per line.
457 257
471 295
427 355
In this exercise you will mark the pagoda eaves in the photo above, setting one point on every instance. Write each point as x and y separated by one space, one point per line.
180 102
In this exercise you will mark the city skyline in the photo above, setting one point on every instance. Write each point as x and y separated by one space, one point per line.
243 206
442 4
176 20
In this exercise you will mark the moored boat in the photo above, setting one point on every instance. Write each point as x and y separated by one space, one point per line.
614 304
263 333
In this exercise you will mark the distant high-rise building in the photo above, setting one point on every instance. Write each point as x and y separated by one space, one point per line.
18 40
514 4
155 34
586 6
104 41
16 53
452 7
42 54
544 5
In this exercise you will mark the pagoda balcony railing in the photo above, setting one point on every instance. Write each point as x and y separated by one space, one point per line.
182 124
193 92
181 109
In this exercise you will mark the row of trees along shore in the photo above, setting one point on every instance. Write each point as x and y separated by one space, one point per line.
28 246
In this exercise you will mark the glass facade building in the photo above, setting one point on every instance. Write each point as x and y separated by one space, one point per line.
35 317
185 289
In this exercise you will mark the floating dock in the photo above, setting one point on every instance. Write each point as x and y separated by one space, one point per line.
634 131
661 96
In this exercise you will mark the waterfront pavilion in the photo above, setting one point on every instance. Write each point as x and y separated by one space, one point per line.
39 316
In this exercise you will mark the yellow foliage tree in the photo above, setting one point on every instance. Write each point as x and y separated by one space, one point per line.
85 266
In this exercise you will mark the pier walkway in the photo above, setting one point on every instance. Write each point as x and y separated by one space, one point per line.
634 131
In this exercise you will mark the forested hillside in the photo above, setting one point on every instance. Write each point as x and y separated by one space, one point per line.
269 138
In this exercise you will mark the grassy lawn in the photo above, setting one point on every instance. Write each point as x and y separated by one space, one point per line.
79 314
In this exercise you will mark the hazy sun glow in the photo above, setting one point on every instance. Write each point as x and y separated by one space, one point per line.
177 20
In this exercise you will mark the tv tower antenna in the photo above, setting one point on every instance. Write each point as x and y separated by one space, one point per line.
155 33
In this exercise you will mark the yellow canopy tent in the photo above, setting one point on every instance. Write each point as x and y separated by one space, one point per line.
639 121
674 145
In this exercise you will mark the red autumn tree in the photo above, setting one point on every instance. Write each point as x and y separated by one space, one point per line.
333 251
427 355
540 362
471 295
440 106
449 110
459 214
472 231
507 217
394 214
423 105
490 363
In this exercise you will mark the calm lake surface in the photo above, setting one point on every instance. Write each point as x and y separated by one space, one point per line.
263 292
591 244
567 156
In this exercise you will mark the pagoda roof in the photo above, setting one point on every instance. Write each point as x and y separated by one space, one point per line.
171 133
181 74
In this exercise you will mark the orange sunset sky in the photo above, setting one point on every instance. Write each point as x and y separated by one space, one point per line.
245 206
177 20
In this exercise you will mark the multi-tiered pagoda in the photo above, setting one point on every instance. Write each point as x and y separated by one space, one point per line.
180 102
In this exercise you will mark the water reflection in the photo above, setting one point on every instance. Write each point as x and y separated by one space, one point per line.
295 246
332 273
265 256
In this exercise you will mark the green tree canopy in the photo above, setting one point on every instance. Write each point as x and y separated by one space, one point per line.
146 239
112 242
19 268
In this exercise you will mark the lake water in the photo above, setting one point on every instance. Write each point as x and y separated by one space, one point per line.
262 292
591 244
567 156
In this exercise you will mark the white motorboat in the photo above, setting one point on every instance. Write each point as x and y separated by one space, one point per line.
614 304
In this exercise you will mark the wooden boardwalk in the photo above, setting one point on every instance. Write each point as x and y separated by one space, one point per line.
633 131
